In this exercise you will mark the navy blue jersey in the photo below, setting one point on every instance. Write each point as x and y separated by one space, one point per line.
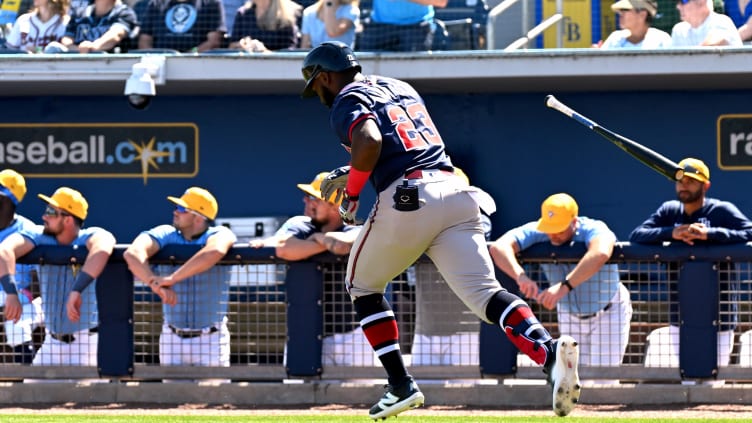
90 27
410 140
182 25
725 223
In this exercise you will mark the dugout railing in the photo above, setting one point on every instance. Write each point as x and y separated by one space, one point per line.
282 315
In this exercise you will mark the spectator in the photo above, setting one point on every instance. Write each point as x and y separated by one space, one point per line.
319 230
70 305
635 20
591 303
183 25
400 25
265 25
18 335
44 24
330 20
194 294
694 218
102 27
701 26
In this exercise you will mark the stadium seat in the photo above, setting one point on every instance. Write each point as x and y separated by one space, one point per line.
465 22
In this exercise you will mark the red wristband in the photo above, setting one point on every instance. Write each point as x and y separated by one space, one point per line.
356 180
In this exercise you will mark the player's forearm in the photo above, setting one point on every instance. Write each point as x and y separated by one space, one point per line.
504 257
587 267
199 263
299 249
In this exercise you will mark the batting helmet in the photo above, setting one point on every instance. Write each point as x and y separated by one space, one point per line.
331 56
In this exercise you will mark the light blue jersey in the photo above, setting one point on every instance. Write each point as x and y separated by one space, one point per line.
202 298
592 295
56 283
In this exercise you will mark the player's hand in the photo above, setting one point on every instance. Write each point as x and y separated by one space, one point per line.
335 181
348 208
166 281
73 306
549 297
13 308
528 287
698 231
168 296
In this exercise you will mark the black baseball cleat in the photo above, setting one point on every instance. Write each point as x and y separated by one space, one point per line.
397 399
561 374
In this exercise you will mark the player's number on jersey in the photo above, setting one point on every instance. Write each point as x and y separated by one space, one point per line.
405 121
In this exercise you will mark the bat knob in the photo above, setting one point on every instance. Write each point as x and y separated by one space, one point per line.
679 174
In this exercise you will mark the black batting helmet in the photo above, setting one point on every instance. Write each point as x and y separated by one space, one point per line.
331 56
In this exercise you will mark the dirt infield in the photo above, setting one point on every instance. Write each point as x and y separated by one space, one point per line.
605 411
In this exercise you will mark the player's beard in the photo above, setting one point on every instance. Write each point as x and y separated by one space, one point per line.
51 230
327 97
319 223
686 196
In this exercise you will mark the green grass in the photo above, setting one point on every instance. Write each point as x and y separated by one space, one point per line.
404 418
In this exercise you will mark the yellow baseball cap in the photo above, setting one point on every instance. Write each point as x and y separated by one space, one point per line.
695 169
199 200
314 188
14 185
557 213
70 200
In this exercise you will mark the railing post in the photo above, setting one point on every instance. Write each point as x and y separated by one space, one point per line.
304 285
698 319
115 303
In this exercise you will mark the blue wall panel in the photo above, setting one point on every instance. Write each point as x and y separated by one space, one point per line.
254 149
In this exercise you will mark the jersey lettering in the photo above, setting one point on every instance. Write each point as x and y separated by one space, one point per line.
413 125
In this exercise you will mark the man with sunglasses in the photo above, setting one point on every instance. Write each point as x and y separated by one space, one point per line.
195 294
693 218
18 335
701 26
70 303
422 207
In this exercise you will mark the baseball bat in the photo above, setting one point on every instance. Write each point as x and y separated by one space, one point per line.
652 159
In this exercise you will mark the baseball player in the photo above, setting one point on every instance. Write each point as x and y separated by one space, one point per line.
321 229
591 303
693 218
70 303
18 335
194 294
421 207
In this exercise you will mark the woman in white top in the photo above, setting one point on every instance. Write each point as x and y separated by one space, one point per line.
330 20
635 18
44 24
